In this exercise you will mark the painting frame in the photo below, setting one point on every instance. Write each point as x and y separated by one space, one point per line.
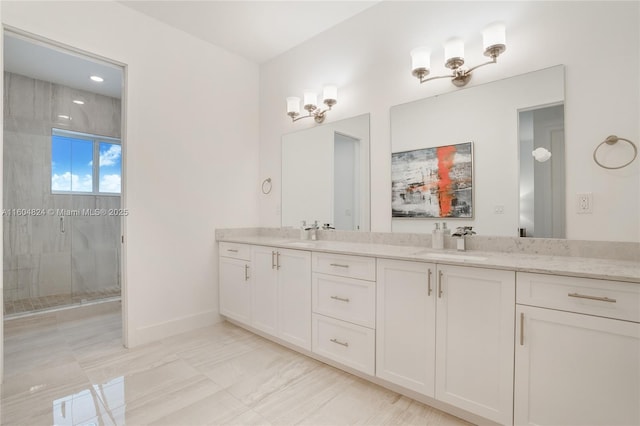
433 182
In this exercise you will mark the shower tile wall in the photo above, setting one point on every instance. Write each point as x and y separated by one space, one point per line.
40 260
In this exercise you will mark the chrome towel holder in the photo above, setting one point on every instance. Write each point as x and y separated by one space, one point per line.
611 140
266 186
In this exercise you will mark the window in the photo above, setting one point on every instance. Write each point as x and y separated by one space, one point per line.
85 164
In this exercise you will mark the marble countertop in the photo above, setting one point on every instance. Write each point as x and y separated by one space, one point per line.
619 270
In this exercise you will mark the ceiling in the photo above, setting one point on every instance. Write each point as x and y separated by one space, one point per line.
45 62
256 30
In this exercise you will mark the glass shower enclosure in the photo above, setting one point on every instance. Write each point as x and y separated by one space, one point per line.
61 185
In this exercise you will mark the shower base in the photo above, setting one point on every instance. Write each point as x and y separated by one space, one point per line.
35 304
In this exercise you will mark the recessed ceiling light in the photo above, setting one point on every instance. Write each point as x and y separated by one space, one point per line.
97 79
64 117
78 101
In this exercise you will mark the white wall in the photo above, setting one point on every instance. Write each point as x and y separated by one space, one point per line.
191 153
368 58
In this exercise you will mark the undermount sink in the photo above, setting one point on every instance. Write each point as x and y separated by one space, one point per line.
450 256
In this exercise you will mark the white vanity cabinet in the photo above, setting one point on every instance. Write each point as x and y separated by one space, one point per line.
235 281
344 306
474 340
281 294
577 351
406 324
447 332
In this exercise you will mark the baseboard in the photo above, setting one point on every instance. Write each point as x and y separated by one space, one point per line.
151 333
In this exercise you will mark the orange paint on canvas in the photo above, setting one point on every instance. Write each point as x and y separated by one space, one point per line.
446 155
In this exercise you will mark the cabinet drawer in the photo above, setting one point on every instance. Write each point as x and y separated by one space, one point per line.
363 268
611 299
346 343
343 298
235 250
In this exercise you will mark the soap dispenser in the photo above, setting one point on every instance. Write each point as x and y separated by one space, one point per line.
437 237
445 231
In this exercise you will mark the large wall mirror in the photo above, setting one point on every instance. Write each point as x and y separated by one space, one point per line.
499 118
325 175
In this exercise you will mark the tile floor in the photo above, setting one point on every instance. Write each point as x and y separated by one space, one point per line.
71 369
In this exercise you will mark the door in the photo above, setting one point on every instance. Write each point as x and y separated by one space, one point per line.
346 182
235 289
474 343
406 324
575 369
294 296
264 293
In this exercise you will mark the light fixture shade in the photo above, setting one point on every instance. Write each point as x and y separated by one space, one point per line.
541 154
293 105
494 35
330 93
420 58
454 48
310 98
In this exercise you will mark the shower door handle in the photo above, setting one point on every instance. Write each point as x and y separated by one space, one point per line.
62 225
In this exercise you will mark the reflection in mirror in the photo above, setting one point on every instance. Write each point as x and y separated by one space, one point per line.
325 175
487 115
542 178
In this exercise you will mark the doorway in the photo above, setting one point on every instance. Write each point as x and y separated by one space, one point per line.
62 189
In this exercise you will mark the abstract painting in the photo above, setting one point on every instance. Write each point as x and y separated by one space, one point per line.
434 182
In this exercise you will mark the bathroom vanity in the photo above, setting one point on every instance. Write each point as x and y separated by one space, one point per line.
491 337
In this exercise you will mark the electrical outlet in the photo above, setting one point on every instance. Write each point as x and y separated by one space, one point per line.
584 203
498 209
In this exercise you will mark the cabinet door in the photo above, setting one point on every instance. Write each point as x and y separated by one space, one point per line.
264 289
294 296
574 369
475 337
235 289
405 320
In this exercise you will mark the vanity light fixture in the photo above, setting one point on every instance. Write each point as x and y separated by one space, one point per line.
97 78
78 102
494 43
330 98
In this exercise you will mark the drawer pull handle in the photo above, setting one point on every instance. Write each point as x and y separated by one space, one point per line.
246 272
273 260
429 283
339 265
338 342
585 296
439 284
232 250
278 260
340 299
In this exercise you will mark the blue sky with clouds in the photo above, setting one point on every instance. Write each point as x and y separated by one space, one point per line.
72 165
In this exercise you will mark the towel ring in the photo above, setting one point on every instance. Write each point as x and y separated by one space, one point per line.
267 183
611 140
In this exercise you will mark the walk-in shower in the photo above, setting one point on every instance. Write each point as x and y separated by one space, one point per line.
62 177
